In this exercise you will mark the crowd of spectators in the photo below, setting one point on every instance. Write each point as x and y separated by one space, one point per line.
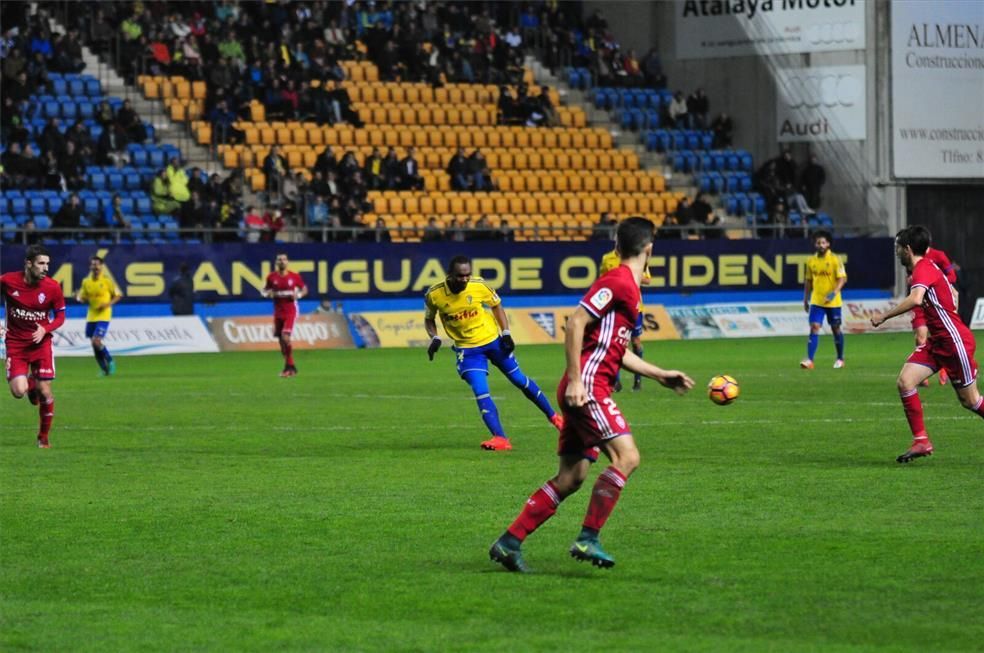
787 188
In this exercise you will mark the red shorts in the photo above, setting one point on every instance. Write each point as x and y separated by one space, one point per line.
918 317
956 358
38 360
283 321
590 425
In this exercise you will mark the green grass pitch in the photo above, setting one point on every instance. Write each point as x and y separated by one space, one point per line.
202 503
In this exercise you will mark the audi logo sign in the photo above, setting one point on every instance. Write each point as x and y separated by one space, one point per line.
824 103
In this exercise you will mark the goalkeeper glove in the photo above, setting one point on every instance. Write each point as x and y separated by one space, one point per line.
508 345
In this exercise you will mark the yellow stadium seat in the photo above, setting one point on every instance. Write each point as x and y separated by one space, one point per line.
618 183
508 138
442 205
547 184
257 112
205 134
457 205
230 158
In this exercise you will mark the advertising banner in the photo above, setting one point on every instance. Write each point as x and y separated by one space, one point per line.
138 336
977 320
822 103
727 28
315 331
937 89
237 271
540 325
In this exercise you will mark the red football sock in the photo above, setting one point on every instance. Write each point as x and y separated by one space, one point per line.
913 412
289 354
979 408
46 411
540 507
604 496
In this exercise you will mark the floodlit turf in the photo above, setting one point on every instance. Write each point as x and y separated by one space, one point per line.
200 502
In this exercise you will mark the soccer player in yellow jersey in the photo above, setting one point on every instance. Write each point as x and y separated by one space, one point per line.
474 319
609 262
824 279
100 293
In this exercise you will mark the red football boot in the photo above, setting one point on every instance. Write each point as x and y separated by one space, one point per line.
920 447
558 421
497 443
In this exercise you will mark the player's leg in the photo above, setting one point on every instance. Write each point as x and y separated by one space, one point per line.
278 333
509 366
286 335
918 367
834 318
473 368
539 507
920 333
107 357
816 323
90 333
963 372
46 411
20 380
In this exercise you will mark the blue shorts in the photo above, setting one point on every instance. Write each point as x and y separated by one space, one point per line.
637 329
470 359
96 329
817 313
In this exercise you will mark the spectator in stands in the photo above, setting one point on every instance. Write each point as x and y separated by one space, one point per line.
275 168
777 220
177 181
37 71
767 182
632 70
80 135
221 118
317 211
546 107
160 195
231 49
71 168
379 233
722 128
326 162
113 216
52 139
483 229
683 216
52 177
104 115
127 118
432 232
274 223
505 233
605 227
700 210
697 107
507 110
454 232
410 178
812 180
12 161
100 33
111 149
713 228
253 225
373 170
69 216
786 169
391 170
678 111
479 173
458 171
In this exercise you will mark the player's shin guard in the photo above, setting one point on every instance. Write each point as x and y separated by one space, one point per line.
839 343
604 496
46 413
479 383
913 412
812 344
540 507
531 390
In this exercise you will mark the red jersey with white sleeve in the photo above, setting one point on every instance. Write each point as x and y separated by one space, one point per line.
942 261
27 307
283 288
614 299
941 312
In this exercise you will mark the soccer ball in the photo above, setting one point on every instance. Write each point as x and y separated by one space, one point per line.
723 389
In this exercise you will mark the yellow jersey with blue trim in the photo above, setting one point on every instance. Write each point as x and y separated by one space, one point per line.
99 292
824 271
465 315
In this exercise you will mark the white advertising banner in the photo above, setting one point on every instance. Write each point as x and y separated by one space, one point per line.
823 103
938 89
707 29
138 336
977 319
785 319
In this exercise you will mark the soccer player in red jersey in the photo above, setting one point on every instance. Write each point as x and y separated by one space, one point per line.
35 308
598 334
919 328
285 287
950 345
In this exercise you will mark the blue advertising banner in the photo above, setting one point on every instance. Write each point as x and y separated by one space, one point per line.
236 271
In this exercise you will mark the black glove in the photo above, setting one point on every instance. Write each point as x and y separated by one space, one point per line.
508 345
433 347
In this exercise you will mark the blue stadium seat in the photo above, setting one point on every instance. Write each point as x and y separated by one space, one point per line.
55 204
127 205
3 204
97 180
90 205
58 85
92 86
156 157
114 181
17 204
42 222
142 204
76 87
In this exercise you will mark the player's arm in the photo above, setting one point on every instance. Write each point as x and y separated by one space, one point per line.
807 289
914 299
430 326
841 282
302 290
576 395
678 381
502 320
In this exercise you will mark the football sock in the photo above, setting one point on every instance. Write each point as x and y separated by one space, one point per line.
913 412
979 408
46 411
638 351
107 357
540 507
531 390
811 348
99 359
289 354
604 496
839 343
479 382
